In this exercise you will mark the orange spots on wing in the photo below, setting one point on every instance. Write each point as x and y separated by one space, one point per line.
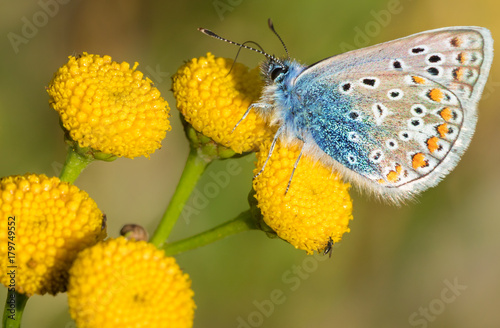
442 129
436 95
446 114
456 42
393 176
458 73
381 181
432 144
462 57
418 161
418 79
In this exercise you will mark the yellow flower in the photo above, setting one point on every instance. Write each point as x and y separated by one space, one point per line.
317 206
109 106
213 97
121 283
49 222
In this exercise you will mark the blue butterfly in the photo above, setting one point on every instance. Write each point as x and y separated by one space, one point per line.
393 118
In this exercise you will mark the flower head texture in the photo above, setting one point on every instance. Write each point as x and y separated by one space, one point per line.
122 283
316 207
109 106
213 94
51 221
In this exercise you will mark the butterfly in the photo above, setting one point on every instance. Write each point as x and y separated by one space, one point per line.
393 118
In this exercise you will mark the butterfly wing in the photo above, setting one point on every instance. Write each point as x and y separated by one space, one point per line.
396 117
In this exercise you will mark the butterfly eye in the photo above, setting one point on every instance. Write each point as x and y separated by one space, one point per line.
277 72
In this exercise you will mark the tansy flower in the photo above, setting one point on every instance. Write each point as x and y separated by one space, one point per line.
109 106
317 206
213 94
52 221
121 283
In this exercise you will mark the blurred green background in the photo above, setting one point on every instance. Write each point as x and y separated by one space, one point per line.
395 263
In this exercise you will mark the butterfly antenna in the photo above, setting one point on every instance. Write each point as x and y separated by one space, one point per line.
213 35
271 26
238 53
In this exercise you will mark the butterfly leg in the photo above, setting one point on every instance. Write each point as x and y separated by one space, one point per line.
293 171
273 144
255 105
243 117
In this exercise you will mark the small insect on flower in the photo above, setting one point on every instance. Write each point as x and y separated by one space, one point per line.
393 118
329 247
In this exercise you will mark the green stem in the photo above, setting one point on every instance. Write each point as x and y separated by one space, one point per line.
13 311
243 222
194 168
74 165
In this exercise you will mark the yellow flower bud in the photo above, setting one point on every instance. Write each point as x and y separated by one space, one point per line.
51 221
109 106
122 283
213 94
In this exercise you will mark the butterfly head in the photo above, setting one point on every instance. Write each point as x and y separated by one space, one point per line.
274 70
280 71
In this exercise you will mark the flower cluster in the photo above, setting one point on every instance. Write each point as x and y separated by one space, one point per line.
213 94
107 108
56 231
